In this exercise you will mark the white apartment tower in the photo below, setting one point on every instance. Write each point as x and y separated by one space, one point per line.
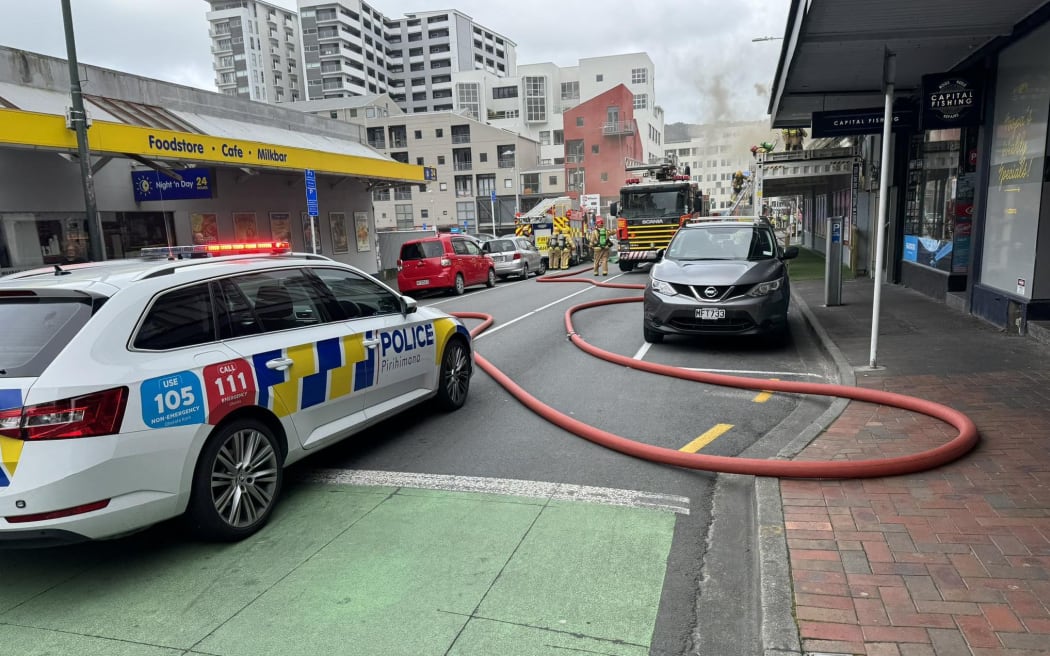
351 49
256 50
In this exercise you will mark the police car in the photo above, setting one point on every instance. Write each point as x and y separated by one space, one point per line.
132 391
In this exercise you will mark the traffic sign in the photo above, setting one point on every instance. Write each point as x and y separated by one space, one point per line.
492 196
311 192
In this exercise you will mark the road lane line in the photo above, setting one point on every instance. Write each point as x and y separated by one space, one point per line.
764 395
529 314
754 373
506 486
706 438
642 351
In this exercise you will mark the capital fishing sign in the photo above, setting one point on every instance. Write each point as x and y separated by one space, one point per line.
950 100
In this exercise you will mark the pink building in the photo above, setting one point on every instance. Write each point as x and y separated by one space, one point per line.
601 137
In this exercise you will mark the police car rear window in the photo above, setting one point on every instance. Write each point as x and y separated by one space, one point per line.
421 250
35 330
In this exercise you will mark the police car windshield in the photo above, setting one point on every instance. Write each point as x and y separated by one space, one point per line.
732 242
641 203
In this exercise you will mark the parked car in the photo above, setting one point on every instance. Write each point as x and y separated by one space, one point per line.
133 391
723 276
445 261
515 256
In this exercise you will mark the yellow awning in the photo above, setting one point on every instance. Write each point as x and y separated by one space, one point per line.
21 128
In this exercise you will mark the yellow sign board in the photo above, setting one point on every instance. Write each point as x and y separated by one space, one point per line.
49 131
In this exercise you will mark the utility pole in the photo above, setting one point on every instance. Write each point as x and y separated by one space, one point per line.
78 119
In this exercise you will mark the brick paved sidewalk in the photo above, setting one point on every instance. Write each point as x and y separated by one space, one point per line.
950 562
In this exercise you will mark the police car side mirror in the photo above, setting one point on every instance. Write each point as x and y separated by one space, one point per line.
408 305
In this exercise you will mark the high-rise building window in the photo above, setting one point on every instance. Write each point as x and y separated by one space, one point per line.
535 99
639 75
570 91
641 101
468 97
403 214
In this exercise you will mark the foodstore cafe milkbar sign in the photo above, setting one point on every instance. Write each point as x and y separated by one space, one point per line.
31 129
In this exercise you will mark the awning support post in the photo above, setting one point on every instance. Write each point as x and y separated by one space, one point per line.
889 77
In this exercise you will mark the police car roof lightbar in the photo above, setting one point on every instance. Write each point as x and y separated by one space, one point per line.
214 250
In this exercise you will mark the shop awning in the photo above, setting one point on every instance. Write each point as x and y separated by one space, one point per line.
832 54
203 140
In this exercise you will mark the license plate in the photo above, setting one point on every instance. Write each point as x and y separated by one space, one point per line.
424 281
710 313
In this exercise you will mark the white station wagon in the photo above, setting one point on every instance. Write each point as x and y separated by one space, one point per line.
133 391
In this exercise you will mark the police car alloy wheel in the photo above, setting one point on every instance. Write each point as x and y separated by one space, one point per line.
236 482
454 381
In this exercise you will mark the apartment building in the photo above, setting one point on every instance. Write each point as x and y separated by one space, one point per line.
537 101
479 170
716 151
352 49
256 50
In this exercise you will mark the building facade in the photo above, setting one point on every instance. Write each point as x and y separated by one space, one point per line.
480 173
352 49
601 139
256 50
533 101
169 162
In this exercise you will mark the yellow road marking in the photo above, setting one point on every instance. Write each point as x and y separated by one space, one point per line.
764 395
706 438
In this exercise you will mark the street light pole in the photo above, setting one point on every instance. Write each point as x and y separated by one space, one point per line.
78 118
889 78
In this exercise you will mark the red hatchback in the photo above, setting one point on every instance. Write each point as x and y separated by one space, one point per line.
444 261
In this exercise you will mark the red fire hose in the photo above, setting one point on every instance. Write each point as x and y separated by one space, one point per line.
925 460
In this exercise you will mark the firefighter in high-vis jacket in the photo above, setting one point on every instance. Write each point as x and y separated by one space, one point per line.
600 239
553 252
565 247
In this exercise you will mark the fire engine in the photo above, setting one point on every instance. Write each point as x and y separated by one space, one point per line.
539 224
653 204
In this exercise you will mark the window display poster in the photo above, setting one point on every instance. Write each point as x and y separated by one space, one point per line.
281 226
337 222
311 234
361 230
1018 148
245 227
204 228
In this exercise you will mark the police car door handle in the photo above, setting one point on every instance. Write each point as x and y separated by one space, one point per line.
280 364
370 343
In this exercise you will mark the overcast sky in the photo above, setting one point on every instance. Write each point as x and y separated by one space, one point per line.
707 67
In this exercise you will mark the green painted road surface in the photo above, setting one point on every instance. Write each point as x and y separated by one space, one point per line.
345 569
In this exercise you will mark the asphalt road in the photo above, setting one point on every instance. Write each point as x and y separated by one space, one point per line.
495 436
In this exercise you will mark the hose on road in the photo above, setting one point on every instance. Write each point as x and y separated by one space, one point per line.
954 449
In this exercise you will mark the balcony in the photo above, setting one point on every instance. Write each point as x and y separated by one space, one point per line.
461 165
222 48
216 34
219 66
618 128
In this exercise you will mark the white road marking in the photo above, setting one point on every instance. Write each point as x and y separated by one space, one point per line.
511 487
504 324
642 351
754 373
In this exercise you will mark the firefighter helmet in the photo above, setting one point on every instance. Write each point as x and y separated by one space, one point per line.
600 222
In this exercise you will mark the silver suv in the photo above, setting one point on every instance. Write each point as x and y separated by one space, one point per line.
722 276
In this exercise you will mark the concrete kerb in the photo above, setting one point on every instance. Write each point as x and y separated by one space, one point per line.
779 628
